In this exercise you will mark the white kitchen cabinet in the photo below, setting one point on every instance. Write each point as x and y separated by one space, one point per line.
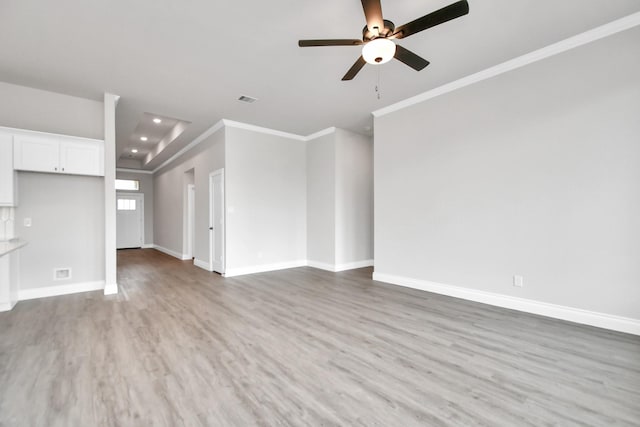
7 173
40 152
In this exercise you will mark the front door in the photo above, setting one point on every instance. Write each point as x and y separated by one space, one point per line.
129 220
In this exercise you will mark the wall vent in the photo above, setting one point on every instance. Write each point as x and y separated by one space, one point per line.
248 99
61 274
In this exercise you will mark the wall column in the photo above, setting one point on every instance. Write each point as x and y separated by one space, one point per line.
110 262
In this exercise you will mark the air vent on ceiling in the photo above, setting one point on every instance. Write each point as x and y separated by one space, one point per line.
248 99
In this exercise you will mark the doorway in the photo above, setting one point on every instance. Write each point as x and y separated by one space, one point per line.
129 220
216 221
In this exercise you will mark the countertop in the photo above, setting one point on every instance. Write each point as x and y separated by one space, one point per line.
7 246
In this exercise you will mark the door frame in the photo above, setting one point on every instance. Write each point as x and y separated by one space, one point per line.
191 221
223 226
140 197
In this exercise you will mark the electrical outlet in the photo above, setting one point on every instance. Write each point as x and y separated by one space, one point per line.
27 222
518 281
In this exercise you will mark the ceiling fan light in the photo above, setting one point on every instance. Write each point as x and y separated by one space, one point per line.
379 51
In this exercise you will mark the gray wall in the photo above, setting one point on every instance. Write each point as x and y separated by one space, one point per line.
146 188
265 199
169 185
67 211
354 197
67 214
321 203
534 172
33 109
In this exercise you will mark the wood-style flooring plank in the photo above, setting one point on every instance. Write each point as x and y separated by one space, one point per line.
179 346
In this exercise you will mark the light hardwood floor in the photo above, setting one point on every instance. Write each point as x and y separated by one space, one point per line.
180 346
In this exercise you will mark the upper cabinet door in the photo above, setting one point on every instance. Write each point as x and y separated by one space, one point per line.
35 153
82 157
7 174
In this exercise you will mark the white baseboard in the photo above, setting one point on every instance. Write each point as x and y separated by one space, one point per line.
600 320
232 272
148 246
202 264
340 267
321 265
111 289
353 265
174 254
6 306
52 291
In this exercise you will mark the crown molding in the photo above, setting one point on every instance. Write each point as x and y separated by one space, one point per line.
581 39
238 125
213 129
127 170
260 129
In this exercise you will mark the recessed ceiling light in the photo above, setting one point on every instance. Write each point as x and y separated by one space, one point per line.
143 138
157 121
134 150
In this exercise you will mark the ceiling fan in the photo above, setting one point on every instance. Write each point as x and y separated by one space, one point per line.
378 36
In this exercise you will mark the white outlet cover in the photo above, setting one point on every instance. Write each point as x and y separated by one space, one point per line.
27 222
518 281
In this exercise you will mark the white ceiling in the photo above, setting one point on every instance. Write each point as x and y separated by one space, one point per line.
193 59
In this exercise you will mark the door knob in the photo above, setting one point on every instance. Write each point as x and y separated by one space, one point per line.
210 228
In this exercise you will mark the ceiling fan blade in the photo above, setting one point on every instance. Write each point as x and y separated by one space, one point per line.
330 42
438 17
411 59
373 14
355 68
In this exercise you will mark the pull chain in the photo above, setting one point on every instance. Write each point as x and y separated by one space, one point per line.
378 84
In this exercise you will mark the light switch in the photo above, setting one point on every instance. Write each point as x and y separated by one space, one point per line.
27 222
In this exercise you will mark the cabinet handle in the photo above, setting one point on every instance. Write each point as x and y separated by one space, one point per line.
55 169
62 169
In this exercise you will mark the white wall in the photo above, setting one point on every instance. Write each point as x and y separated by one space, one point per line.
265 199
169 185
321 200
67 216
354 197
67 211
534 172
146 188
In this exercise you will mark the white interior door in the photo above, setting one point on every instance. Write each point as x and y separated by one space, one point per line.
129 220
216 221
191 218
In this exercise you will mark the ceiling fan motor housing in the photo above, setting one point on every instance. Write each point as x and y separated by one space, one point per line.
389 28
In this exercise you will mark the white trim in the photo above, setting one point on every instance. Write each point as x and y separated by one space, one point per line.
323 132
7 306
340 267
600 320
321 265
232 272
111 289
598 33
238 125
202 264
125 170
353 265
213 129
174 254
37 132
52 291
148 246
246 126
